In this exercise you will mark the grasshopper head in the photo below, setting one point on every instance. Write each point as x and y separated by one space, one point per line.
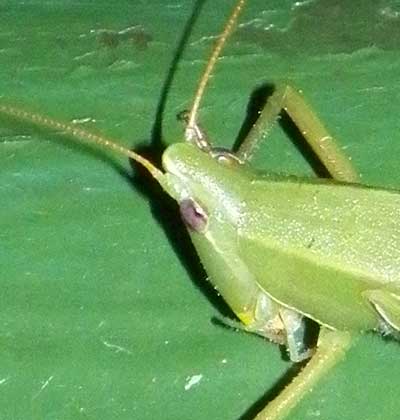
206 185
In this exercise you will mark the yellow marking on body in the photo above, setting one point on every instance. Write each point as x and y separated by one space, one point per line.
246 317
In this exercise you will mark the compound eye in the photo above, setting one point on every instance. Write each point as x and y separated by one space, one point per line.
193 215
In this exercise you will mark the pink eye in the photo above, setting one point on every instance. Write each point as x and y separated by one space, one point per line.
194 216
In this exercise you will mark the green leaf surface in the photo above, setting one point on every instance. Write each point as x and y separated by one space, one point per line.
104 309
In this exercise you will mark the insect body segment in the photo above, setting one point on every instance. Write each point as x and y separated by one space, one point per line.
219 187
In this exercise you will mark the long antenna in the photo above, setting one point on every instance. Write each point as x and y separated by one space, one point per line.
81 134
228 29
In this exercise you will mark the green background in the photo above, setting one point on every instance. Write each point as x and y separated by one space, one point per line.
103 309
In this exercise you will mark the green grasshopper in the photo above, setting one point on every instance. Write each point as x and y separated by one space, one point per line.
283 252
